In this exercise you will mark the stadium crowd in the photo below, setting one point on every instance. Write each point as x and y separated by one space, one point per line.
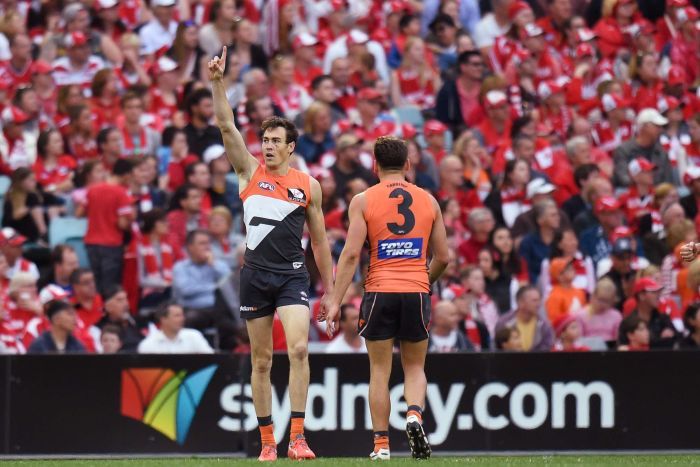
561 138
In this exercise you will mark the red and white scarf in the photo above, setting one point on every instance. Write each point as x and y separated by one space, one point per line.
130 150
150 260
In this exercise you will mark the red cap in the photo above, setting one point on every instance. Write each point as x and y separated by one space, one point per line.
357 37
398 6
692 174
516 7
384 128
165 64
610 102
434 127
41 67
531 30
646 284
560 324
495 98
369 94
688 13
9 236
667 103
319 173
620 232
639 165
548 88
452 292
676 75
645 26
338 5
676 3
408 131
606 204
585 49
304 39
520 55
75 39
52 292
12 114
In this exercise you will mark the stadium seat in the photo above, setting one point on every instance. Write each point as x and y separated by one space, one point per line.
4 185
63 228
410 114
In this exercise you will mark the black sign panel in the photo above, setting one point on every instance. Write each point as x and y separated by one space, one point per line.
475 402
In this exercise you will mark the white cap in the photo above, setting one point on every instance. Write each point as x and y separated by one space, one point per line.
358 37
50 293
166 64
650 115
104 4
213 152
163 2
539 186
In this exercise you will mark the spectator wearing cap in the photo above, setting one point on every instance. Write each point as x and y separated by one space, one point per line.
59 339
45 87
316 139
164 96
158 33
17 70
172 337
645 144
79 65
109 211
305 60
347 164
414 82
594 240
536 333
196 287
684 44
88 303
434 132
506 47
289 96
691 201
218 30
564 299
22 210
341 47
116 312
480 223
21 304
534 41
64 261
17 146
537 190
497 122
185 215
662 334
621 271
458 105
638 199
555 114
600 318
443 43
614 128
137 138
445 336
200 133
568 331
348 340
11 243
536 246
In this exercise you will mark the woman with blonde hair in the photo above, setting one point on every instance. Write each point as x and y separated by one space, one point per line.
476 162
600 318
317 138
415 82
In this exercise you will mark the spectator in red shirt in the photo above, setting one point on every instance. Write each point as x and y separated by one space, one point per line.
305 67
646 85
554 24
497 122
638 200
480 223
88 303
156 258
137 138
109 212
179 158
81 133
185 216
104 102
17 70
458 102
53 169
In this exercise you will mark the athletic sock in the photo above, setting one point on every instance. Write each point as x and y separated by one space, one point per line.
381 440
297 425
417 411
267 430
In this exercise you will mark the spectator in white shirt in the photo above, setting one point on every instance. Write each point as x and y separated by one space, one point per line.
79 65
160 31
492 25
348 341
173 337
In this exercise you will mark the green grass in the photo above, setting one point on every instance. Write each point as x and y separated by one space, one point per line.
651 460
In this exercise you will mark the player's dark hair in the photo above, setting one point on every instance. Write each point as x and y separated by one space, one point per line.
290 130
316 82
76 275
192 235
690 313
525 289
629 325
390 152
583 172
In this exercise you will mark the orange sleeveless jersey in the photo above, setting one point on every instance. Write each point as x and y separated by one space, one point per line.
399 218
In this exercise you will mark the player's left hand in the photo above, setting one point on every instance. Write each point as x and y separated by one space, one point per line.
332 313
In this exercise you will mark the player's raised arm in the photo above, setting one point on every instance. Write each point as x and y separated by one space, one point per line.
349 259
242 161
319 240
438 246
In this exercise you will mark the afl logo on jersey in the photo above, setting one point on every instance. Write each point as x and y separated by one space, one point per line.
266 186
296 194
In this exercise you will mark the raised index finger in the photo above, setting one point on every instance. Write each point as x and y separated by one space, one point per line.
223 55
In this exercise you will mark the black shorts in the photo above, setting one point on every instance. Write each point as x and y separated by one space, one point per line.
386 315
262 292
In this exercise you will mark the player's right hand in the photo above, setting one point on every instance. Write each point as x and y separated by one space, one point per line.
332 312
216 66
688 252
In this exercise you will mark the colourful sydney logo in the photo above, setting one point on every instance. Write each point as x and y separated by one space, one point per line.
164 400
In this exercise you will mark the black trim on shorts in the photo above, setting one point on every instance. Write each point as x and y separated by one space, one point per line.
394 315
262 292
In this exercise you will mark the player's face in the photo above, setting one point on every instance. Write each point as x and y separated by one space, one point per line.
275 148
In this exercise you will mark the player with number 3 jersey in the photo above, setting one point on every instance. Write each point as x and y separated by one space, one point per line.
403 224
277 200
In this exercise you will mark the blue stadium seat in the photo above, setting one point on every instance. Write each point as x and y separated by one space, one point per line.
410 114
63 228
4 185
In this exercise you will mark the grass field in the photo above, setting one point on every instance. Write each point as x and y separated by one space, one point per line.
651 460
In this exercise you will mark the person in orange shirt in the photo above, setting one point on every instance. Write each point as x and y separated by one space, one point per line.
565 298
401 221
